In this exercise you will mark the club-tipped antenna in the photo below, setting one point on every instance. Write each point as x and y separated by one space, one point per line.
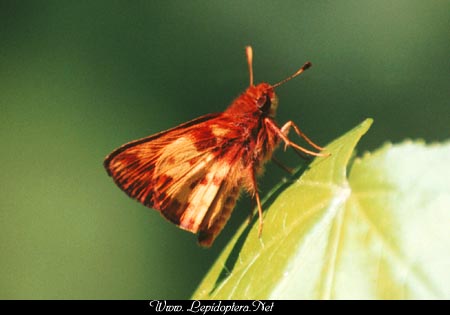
249 53
306 66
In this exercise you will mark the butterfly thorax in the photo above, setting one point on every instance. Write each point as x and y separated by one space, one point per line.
249 112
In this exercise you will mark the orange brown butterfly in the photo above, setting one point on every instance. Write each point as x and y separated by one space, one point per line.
193 174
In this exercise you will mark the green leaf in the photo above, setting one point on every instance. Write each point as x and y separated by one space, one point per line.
381 231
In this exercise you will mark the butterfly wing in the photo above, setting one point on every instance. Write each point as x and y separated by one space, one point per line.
184 173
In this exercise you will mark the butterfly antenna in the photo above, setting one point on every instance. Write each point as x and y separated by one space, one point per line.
306 66
249 53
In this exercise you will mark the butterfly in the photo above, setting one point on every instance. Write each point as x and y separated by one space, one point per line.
194 173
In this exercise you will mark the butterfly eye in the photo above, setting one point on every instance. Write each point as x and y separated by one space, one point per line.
263 103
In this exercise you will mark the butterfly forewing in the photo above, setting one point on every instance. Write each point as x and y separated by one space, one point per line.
184 173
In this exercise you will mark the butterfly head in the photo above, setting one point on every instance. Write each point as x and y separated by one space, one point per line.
264 98
263 94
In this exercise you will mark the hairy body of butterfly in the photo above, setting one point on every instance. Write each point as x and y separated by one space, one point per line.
193 173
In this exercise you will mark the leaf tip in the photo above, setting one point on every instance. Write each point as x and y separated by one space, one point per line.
367 123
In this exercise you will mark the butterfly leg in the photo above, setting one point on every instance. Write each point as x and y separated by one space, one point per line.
260 214
283 132
282 166
286 128
258 203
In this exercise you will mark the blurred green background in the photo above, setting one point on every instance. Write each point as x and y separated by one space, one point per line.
80 78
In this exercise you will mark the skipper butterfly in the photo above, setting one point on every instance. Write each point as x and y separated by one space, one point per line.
193 173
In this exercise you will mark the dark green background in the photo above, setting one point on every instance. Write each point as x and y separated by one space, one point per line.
79 78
